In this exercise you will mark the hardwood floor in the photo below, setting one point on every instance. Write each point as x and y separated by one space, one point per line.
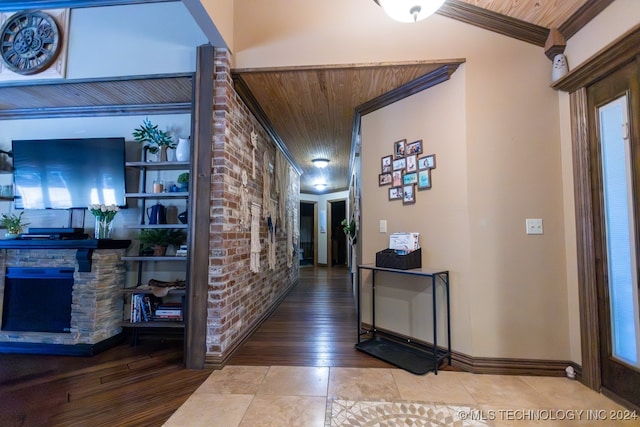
314 326
143 385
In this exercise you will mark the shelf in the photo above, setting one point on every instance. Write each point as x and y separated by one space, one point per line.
149 291
154 258
154 324
168 195
158 165
158 226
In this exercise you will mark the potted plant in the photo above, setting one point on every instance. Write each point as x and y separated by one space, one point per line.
183 180
156 140
159 238
14 225
349 229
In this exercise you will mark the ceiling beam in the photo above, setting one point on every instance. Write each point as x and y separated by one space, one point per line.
505 25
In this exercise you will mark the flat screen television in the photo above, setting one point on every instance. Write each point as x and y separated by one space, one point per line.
68 173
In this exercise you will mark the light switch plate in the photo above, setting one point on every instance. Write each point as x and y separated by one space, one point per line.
534 226
383 225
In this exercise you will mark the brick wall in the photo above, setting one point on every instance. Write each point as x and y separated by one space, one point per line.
238 297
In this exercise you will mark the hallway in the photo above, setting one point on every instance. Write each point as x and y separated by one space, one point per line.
315 325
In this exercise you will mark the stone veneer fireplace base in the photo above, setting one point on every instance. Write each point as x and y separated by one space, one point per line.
97 304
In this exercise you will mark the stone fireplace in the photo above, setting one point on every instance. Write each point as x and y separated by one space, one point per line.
96 299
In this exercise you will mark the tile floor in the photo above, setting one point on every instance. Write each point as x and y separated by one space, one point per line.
283 396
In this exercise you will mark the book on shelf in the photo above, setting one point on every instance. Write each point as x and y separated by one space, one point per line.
143 307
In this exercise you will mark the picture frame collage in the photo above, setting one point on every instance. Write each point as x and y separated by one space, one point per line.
406 171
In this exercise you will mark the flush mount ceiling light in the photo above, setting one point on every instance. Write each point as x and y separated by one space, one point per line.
320 163
320 186
409 10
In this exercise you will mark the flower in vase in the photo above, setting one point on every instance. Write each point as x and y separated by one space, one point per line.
104 215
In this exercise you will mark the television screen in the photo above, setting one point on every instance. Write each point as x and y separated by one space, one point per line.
68 173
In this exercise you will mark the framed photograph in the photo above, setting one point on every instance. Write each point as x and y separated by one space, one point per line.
408 194
414 148
395 193
412 163
424 179
409 178
399 148
384 179
386 164
396 178
422 163
399 164
430 161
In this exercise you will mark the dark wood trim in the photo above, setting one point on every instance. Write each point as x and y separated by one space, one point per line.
621 51
587 287
10 6
582 16
243 91
495 365
501 24
96 111
199 203
424 82
431 79
507 366
84 92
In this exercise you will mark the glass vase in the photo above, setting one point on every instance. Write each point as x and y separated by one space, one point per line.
103 229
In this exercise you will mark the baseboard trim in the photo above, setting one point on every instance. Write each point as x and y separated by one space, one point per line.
513 366
498 365
218 362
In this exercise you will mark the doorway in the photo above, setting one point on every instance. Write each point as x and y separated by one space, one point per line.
614 149
337 249
308 230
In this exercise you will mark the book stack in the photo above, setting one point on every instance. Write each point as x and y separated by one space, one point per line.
182 251
169 311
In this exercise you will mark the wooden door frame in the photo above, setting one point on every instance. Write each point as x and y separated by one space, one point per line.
315 228
611 58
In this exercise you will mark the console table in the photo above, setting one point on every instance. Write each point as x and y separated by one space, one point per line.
404 352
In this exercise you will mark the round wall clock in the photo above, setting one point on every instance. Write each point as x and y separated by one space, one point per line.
29 42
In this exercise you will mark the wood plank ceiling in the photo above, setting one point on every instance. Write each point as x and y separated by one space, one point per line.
310 112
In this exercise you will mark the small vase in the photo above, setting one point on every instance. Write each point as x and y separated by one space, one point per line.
103 229
182 150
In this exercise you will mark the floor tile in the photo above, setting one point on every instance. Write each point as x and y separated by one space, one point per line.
362 384
566 393
289 411
509 390
446 387
207 410
295 381
234 380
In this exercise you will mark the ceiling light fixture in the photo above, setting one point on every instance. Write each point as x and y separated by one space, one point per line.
409 10
320 186
320 163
